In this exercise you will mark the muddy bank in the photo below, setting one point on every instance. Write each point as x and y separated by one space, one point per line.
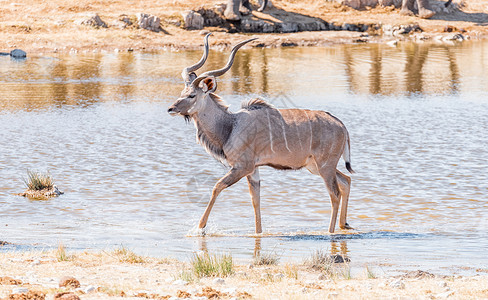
120 274
89 25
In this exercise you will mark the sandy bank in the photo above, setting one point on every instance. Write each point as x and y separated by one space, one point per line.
119 274
54 26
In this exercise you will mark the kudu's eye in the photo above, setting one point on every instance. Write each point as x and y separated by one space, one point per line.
191 96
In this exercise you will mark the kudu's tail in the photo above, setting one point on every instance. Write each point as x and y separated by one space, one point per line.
346 155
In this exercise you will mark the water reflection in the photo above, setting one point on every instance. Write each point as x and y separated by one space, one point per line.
364 69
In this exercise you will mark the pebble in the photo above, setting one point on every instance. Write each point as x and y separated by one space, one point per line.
398 284
445 295
69 281
231 291
392 43
442 284
66 296
18 53
180 282
89 289
218 280
20 290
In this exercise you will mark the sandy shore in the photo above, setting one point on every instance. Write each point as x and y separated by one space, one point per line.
121 274
54 26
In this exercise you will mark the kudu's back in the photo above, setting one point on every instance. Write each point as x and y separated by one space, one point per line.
286 138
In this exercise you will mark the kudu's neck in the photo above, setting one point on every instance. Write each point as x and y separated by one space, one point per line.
214 124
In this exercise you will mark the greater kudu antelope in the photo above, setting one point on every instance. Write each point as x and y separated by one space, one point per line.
261 135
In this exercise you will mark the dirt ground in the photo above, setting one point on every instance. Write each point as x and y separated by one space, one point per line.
54 26
124 275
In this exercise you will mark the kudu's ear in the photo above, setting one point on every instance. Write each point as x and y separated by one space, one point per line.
209 84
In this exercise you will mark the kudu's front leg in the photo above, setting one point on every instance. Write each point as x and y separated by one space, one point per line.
233 176
254 189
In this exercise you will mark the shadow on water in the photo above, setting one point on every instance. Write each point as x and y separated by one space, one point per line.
338 243
355 236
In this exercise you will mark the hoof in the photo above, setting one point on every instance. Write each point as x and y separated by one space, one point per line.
244 10
406 12
426 13
231 16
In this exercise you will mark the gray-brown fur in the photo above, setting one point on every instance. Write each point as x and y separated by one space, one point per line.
261 135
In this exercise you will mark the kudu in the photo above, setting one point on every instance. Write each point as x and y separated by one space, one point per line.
261 135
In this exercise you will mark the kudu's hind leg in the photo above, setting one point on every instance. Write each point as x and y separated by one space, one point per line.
330 180
254 189
233 176
344 182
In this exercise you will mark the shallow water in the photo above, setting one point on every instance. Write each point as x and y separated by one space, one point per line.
134 176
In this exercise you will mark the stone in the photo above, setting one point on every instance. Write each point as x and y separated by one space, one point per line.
218 280
180 282
149 22
70 282
392 43
454 37
66 296
9 281
35 263
18 53
445 295
398 284
94 21
442 284
192 20
20 290
89 289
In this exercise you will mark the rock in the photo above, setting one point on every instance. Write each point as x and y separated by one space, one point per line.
218 280
32 295
392 43
89 289
9 281
18 53
398 284
66 296
454 37
230 291
192 20
180 282
20 290
442 284
149 22
125 19
94 21
69 282
35 263
445 295
338 259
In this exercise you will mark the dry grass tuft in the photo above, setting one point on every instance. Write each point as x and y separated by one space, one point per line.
320 261
37 181
125 255
205 265
266 259
61 254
